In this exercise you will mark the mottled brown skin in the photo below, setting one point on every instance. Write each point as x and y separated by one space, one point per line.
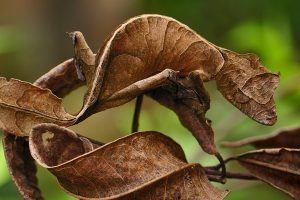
151 51
148 45
157 43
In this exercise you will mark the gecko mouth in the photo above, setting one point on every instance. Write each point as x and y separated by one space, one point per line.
72 35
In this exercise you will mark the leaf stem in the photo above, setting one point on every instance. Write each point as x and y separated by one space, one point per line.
136 115
216 176
222 166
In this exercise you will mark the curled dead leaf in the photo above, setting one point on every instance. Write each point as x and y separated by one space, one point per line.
143 165
277 167
60 80
21 166
23 105
286 138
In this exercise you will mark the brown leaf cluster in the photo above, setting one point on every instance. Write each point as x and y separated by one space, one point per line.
21 166
60 80
144 165
278 167
276 161
150 55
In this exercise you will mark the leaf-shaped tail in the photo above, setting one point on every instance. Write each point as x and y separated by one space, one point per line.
248 85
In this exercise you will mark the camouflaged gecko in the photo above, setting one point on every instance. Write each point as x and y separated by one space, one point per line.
150 51
149 54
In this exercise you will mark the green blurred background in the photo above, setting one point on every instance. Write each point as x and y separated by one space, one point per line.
33 40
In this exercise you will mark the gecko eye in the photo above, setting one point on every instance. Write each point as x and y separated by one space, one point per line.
208 122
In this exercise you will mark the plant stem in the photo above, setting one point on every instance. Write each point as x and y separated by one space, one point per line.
136 115
215 175
222 165
214 178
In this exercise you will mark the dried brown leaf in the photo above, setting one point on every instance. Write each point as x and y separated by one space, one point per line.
21 166
288 138
60 80
248 85
189 182
277 167
22 105
144 165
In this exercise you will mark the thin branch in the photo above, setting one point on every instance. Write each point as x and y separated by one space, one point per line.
222 165
215 178
136 115
240 176
217 175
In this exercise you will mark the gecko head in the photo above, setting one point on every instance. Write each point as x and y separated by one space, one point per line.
84 58
76 37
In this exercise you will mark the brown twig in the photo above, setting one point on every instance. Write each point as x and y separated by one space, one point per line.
215 175
136 115
223 167
220 165
215 178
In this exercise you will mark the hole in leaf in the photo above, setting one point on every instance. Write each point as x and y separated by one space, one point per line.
46 137
74 100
